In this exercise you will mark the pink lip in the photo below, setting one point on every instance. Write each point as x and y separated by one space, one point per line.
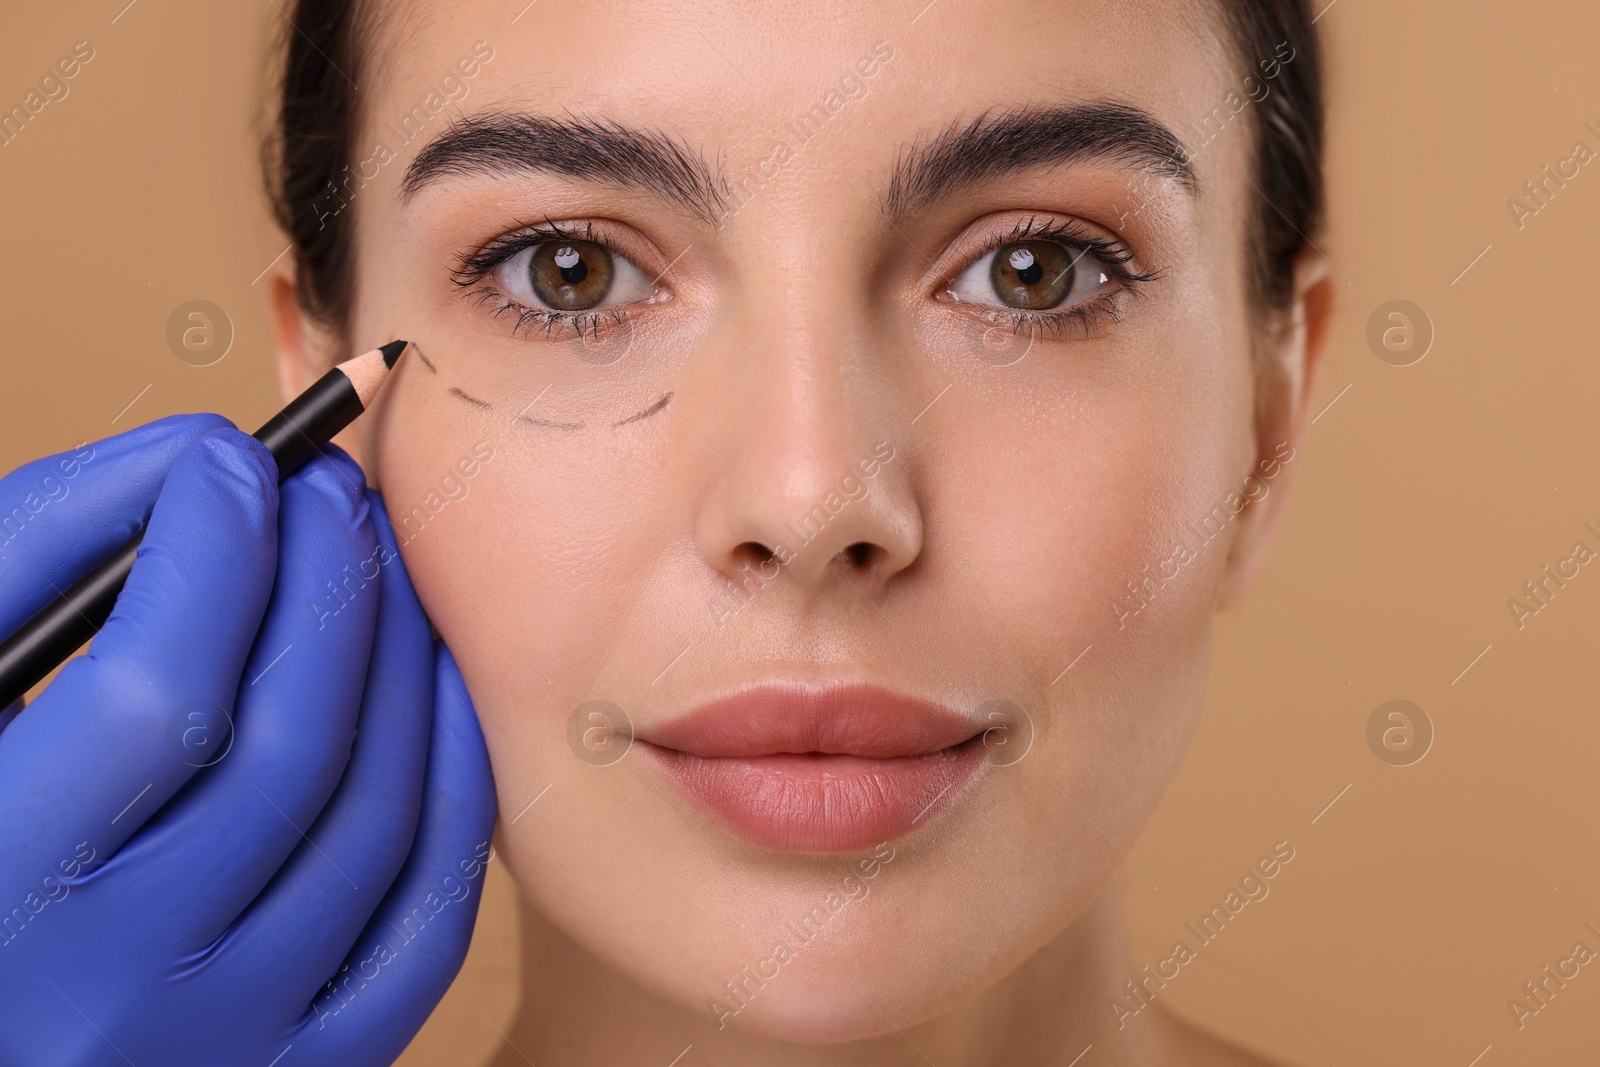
820 769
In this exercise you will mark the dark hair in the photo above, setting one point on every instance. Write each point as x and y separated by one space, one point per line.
310 147
308 154
1289 138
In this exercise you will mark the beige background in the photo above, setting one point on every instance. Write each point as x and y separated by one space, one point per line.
1426 895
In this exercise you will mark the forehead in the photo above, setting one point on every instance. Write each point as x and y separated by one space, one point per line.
729 79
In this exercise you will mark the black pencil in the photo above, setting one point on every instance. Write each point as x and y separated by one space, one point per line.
311 419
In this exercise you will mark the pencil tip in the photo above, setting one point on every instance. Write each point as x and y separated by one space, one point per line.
391 352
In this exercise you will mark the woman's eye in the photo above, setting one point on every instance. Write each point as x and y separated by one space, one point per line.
571 276
1031 276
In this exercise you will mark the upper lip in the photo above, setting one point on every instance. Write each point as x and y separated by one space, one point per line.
843 719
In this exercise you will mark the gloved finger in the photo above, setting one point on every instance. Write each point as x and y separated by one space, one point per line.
313 907
220 842
412 949
93 757
61 515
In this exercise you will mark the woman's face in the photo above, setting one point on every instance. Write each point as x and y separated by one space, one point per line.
860 404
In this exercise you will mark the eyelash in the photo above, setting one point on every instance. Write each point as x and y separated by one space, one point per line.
473 268
1106 307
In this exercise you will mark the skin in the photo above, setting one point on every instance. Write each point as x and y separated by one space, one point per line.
798 335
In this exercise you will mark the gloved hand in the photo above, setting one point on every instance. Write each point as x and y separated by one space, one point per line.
298 891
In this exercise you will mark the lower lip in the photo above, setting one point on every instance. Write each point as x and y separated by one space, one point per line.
823 803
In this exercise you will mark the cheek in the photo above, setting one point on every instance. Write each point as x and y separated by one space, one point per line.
540 554
1095 519
538 574
1090 538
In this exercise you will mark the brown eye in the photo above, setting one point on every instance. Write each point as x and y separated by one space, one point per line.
562 279
1035 275
571 275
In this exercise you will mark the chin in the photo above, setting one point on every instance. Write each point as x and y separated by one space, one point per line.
841 994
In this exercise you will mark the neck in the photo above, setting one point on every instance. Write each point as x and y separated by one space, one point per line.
576 1009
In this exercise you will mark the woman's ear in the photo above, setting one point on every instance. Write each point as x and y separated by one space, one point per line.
303 348
1285 381
288 332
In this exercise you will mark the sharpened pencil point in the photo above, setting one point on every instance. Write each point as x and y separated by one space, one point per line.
391 352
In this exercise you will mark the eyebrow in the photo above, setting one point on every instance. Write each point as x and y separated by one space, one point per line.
998 144
587 149
991 146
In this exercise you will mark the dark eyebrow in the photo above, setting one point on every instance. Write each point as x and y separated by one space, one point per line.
996 144
587 149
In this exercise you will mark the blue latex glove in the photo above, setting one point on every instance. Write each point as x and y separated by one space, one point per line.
300 891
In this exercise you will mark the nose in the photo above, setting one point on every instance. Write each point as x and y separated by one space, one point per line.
815 485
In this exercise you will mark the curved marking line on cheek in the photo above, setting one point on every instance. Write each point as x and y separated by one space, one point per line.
474 401
426 362
564 427
654 409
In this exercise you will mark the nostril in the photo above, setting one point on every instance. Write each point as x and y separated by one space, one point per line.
860 554
753 552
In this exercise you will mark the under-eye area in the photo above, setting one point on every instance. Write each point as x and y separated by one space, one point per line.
461 394
654 409
550 424
417 351
561 426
